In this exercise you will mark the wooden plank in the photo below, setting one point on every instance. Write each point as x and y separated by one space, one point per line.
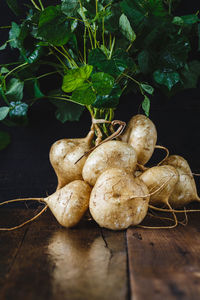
80 263
10 242
165 264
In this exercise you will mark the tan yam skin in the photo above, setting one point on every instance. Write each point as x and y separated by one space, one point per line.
155 177
185 190
69 203
111 203
63 155
141 134
112 154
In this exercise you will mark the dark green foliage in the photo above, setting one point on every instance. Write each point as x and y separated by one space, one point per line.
67 111
95 51
54 26
109 101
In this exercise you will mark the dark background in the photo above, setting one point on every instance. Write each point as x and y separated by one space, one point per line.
25 170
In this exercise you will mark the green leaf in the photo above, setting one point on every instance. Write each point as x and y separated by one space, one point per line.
177 21
126 28
14 33
114 66
146 105
54 26
134 11
4 140
4 110
185 20
111 21
67 111
18 37
169 79
68 7
74 78
14 6
109 101
4 70
35 55
102 83
74 25
15 90
190 19
174 53
18 109
154 7
84 95
37 92
147 88
96 57
3 46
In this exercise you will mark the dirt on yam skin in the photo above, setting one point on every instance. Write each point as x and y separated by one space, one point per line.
112 154
112 202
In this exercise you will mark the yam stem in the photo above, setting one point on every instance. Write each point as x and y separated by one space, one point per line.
159 217
174 210
22 199
167 153
151 194
118 132
142 168
157 227
174 215
185 222
28 221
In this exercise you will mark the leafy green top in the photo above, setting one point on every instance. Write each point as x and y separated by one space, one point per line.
97 49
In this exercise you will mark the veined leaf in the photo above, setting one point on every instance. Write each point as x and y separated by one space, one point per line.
169 79
15 90
134 11
36 54
4 110
126 28
14 34
53 26
84 95
68 7
4 70
114 66
147 88
102 83
74 78
109 101
146 105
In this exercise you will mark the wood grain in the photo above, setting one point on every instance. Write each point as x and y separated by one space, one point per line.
10 243
165 264
55 263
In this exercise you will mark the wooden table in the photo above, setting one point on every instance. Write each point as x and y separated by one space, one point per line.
45 261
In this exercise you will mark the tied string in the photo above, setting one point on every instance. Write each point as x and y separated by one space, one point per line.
115 134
